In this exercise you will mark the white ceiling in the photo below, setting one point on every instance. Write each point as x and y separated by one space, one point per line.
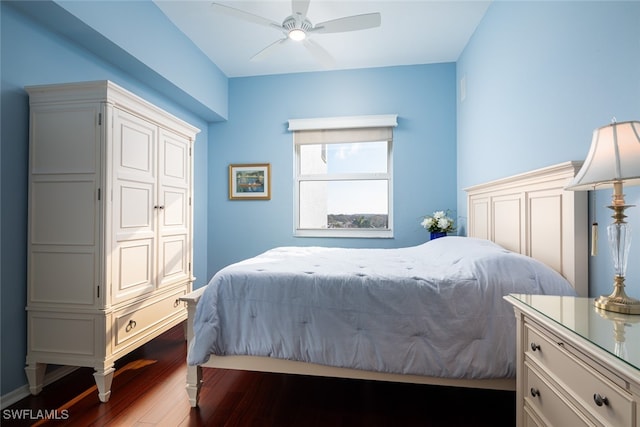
412 32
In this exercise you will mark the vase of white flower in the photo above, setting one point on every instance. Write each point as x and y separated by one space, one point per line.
438 224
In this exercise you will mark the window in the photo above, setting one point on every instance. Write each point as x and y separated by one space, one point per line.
343 176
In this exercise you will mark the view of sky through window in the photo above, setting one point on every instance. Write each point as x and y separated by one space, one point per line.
357 196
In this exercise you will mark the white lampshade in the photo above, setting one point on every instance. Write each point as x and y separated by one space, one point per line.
614 156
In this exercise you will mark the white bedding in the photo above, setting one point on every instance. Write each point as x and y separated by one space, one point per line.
435 309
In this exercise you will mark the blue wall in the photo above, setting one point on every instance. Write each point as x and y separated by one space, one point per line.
159 45
32 54
540 77
424 151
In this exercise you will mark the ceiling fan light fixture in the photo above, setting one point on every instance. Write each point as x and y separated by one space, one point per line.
297 27
297 34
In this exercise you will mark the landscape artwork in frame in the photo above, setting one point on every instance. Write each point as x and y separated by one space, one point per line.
250 181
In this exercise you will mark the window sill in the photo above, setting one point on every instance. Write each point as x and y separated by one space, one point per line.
345 232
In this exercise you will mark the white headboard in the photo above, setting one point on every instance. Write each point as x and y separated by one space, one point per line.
532 214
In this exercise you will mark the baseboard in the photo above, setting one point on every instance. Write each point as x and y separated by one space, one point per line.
22 392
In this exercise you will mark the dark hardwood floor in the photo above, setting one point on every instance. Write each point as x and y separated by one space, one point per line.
148 390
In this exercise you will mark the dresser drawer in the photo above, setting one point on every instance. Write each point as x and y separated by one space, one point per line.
136 320
602 398
548 404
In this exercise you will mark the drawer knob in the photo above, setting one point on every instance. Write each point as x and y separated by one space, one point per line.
600 400
130 325
535 392
535 347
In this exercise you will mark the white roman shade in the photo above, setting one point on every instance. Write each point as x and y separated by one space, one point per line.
333 130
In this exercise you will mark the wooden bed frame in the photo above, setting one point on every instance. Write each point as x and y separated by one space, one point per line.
534 215
530 213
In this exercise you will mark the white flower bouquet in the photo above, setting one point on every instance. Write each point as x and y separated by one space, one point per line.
439 222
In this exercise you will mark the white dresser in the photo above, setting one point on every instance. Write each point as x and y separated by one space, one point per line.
577 365
110 226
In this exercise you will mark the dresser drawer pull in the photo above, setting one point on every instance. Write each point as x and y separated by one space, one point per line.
600 400
130 325
535 392
176 303
535 346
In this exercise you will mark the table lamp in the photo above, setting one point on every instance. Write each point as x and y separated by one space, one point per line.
614 159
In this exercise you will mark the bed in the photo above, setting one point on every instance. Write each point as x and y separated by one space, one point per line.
429 314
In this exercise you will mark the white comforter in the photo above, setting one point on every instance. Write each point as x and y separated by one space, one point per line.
435 309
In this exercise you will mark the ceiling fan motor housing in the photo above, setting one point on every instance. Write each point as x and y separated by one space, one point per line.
296 22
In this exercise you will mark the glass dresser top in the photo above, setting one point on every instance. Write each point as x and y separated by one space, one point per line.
618 334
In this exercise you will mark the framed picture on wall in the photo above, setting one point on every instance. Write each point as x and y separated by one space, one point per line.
250 181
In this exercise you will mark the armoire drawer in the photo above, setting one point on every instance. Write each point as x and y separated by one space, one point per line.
601 397
548 404
134 321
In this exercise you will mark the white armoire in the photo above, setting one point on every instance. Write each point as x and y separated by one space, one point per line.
110 226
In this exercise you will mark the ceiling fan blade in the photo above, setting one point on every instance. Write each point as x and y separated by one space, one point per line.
349 23
300 7
268 50
319 53
246 16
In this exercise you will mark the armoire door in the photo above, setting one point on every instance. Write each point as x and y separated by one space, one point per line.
134 213
174 213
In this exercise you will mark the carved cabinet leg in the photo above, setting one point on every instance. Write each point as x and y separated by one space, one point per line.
103 378
35 376
194 382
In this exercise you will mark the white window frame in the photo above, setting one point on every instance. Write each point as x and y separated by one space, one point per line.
362 123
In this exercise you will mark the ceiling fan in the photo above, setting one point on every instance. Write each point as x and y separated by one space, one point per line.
297 28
